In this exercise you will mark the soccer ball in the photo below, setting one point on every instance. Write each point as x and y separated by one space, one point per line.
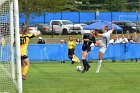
79 68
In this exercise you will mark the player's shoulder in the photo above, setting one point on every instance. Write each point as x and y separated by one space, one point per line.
109 31
29 35
86 34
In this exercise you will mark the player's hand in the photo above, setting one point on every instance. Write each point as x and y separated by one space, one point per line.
112 22
37 33
96 33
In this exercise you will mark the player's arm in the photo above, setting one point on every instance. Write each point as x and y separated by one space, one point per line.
74 44
112 27
35 34
98 34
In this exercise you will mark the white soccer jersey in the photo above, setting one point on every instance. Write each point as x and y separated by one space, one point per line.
106 38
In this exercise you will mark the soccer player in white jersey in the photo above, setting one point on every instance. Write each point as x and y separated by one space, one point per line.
103 44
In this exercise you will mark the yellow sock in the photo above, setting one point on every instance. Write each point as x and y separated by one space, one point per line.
25 70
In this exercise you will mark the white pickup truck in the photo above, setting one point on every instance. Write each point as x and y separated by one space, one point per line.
65 27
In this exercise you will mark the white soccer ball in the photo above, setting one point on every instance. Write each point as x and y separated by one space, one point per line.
79 68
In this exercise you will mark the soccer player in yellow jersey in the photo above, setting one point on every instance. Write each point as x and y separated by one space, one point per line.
71 48
24 40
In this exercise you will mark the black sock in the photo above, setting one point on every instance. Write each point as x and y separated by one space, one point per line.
70 58
86 62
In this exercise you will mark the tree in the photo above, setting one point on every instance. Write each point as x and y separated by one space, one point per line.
37 7
114 5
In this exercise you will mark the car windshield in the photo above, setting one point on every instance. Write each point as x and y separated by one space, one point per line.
67 22
45 25
131 24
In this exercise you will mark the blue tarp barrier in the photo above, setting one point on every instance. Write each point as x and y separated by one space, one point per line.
58 52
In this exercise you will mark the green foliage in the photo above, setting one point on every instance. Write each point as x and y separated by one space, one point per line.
39 6
115 5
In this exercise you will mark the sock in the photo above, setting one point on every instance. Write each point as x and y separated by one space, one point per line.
70 58
25 70
84 63
99 64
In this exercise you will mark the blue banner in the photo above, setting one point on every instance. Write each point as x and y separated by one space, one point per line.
59 52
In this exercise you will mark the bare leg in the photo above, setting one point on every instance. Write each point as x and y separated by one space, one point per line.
26 67
99 62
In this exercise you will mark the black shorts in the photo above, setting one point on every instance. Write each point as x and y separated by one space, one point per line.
70 52
86 48
24 57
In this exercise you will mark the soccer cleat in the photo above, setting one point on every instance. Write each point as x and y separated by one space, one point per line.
88 68
72 62
83 70
23 77
97 71
75 59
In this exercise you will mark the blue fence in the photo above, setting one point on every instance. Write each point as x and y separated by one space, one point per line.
58 52
80 17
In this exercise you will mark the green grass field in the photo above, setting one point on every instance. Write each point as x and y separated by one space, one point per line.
63 78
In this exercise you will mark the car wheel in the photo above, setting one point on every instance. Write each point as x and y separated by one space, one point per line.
64 32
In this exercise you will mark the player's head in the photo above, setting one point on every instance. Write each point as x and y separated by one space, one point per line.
24 30
70 38
92 33
105 28
122 36
115 37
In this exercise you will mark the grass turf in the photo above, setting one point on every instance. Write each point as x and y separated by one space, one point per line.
63 78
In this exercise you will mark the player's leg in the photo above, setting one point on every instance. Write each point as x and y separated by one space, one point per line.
26 67
70 55
102 51
22 64
87 65
84 55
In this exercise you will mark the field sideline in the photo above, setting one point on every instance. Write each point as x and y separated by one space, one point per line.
63 78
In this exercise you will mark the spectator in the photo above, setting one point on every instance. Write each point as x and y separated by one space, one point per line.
136 38
41 41
114 40
62 47
63 42
132 40
123 39
78 41
2 40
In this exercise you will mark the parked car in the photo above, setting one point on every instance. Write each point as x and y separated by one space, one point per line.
45 29
32 30
128 26
83 31
65 27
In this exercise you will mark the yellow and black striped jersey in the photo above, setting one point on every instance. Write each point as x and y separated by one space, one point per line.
24 41
71 44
